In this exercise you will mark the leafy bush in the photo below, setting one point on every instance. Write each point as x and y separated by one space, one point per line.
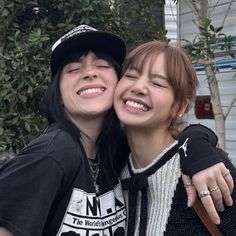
28 30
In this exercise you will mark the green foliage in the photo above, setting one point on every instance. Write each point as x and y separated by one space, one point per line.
23 78
139 21
209 41
27 31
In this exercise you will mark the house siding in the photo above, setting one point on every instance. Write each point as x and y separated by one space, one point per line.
226 76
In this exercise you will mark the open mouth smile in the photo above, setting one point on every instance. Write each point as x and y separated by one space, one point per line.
90 91
136 105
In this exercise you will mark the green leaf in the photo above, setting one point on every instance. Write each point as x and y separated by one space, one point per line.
219 29
212 28
27 127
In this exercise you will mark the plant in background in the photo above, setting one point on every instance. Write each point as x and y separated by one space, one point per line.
27 31
203 49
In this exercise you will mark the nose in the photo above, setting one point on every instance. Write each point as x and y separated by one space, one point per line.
140 86
89 73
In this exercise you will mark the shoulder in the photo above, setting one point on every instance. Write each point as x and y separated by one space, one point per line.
54 142
54 147
51 137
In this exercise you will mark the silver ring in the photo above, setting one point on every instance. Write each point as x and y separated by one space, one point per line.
203 193
188 184
227 172
215 188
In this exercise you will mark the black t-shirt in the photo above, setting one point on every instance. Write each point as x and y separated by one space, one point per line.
47 189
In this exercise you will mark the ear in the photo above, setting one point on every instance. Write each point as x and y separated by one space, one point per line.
184 108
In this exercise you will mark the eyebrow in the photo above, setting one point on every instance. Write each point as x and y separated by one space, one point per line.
152 75
133 68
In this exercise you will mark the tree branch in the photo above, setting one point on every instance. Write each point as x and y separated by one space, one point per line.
230 107
226 14
234 76
196 10
203 62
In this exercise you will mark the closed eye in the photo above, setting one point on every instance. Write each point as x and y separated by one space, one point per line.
103 66
130 76
101 63
160 81
159 85
75 69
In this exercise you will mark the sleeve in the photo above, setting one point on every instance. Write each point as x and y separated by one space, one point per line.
198 149
28 185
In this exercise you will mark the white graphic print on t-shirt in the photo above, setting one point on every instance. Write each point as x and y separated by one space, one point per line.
88 215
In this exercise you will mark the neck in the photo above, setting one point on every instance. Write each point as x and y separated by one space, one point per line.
90 130
146 145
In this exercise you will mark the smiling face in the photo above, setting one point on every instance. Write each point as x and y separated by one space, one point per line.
158 85
87 87
144 97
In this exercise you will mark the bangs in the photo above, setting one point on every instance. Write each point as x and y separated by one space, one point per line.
75 56
140 55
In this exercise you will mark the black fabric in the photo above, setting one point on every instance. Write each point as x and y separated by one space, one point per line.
197 149
120 157
47 190
184 220
83 37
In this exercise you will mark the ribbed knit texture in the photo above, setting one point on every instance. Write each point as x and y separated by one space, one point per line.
162 185
167 199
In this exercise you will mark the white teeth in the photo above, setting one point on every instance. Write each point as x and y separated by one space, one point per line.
136 105
91 91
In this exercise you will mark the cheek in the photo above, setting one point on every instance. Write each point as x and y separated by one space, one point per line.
118 91
121 87
63 88
169 104
113 85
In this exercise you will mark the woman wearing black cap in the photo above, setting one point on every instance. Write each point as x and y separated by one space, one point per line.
63 182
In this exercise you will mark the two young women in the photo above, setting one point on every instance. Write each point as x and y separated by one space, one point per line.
65 182
157 87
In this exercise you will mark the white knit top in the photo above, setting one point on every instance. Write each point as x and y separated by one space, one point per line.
161 187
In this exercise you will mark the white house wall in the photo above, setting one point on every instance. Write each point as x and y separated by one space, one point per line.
171 20
226 77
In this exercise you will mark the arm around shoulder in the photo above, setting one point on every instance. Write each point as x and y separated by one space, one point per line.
198 149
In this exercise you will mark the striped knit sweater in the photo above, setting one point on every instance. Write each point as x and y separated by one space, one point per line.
161 205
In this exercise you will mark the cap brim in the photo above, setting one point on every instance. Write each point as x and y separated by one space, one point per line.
104 41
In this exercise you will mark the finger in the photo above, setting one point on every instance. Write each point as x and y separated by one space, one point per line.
210 208
207 202
225 190
229 179
190 189
216 195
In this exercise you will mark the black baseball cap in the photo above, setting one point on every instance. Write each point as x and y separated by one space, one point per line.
86 37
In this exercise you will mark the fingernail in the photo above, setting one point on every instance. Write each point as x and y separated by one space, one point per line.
217 222
189 203
230 202
221 209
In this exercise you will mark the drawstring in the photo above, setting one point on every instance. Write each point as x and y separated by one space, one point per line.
143 218
134 184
